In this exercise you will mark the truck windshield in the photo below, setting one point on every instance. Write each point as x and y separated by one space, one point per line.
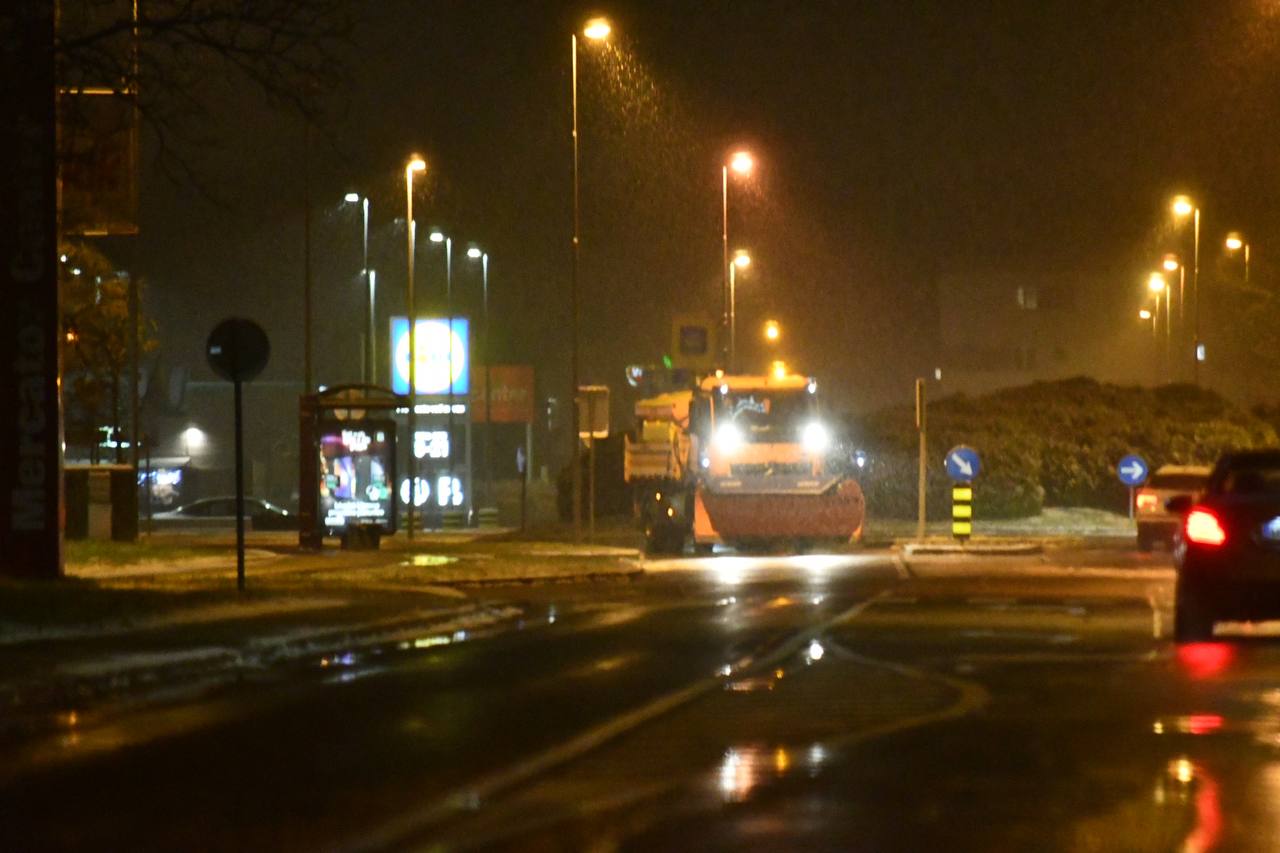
765 416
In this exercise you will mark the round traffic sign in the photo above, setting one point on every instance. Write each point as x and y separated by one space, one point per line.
1133 470
963 463
237 349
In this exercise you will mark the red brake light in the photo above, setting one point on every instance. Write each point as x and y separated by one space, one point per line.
1146 500
1203 528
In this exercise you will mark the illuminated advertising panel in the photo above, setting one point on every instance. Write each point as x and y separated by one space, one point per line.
357 469
432 349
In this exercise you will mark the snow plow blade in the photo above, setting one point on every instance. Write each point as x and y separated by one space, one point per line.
740 510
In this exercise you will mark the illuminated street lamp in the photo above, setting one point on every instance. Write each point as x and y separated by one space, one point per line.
742 164
741 260
476 254
438 237
1182 208
1145 314
1235 243
370 351
415 164
596 29
772 331
1157 285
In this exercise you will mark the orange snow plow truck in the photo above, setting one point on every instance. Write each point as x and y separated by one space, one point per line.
741 461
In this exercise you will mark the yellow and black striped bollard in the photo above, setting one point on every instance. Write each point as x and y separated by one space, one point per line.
962 512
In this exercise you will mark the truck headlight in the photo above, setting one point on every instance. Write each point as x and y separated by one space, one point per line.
814 438
728 437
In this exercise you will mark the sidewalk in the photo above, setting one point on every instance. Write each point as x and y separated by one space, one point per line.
1055 524
137 613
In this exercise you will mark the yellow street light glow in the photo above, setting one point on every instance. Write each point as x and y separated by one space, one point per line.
597 29
1156 283
416 164
779 370
741 259
1144 314
772 331
1182 206
742 163
1234 242
1170 263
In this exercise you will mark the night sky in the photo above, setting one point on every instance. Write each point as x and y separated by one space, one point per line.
897 142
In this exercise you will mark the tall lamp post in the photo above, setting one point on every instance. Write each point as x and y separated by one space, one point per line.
439 237
415 164
1182 208
596 29
1235 243
1158 287
741 163
474 253
741 260
355 198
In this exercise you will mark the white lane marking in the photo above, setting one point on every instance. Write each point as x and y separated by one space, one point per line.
1157 629
901 567
1062 657
972 697
394 833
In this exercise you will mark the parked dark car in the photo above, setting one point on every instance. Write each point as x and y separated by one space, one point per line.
1227 551
221 512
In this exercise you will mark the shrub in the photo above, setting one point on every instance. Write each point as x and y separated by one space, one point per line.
1054 443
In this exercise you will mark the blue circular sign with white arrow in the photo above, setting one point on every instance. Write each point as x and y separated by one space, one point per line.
1133 470
963 464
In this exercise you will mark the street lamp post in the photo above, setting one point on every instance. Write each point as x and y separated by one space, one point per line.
476 254
596 29
741 260
415 164
741 163
1234 244
1183 207
1157 285
355 198
439 237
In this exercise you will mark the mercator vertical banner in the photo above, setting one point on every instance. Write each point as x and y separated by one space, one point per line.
30 408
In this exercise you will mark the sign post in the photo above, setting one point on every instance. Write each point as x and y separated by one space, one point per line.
1133 471
593 423
963 466
921 483
522 468
237 351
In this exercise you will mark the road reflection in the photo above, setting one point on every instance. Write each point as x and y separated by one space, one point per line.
1205 660
745 768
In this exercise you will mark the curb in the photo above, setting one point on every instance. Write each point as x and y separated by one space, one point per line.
1011 549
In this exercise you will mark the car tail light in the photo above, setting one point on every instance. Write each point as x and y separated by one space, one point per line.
1203 528
1146 501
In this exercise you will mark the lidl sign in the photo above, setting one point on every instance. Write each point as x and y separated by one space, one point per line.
441 350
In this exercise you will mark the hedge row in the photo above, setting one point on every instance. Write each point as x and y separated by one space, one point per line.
1050 443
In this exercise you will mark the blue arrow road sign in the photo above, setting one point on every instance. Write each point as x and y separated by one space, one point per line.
1133 470
963 464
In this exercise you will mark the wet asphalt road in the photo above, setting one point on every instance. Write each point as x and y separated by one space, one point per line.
731 703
